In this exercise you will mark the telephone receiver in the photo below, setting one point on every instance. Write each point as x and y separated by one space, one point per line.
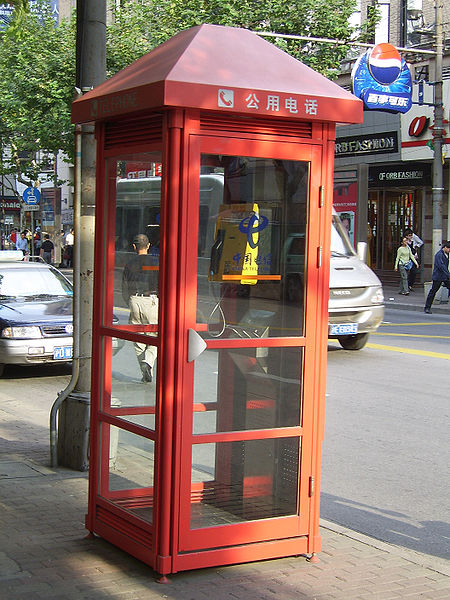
224 100
216 252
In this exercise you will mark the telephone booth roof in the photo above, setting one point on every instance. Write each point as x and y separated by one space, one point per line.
222 69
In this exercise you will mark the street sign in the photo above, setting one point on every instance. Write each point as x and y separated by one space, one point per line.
30 207
31 196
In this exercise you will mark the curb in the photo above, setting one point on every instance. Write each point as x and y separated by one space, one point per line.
433 563
436 309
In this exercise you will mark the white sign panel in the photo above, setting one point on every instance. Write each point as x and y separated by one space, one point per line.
417 126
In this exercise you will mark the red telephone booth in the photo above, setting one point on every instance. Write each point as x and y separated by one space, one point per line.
216 151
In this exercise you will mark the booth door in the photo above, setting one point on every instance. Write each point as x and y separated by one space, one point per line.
126 352
252 236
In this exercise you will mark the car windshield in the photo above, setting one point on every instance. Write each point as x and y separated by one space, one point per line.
340 243
33 283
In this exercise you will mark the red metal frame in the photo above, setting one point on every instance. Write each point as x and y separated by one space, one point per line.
168 544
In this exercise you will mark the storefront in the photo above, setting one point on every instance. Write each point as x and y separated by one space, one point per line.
417 150
381 200
9 218
396 196
359 151
397 151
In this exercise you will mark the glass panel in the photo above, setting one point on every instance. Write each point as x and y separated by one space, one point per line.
135 191
252 245
131 467
128 387
247 388
233 482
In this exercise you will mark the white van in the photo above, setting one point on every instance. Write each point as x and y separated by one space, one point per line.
356 301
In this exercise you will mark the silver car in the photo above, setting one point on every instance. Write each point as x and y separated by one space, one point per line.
35 313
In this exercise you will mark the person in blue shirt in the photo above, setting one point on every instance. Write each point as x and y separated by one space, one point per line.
441 275
22 243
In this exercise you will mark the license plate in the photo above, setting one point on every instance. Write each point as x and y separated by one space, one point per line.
62 353
344 329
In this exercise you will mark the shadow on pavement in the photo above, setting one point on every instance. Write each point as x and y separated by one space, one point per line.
389 526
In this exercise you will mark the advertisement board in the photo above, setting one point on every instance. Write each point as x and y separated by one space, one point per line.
381 78
345 203
6 11
417 126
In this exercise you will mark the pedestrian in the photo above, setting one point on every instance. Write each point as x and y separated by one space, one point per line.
415 243
68 249
403 263
47 249
22 243
13 236
140 292
59 248
37 242
441 275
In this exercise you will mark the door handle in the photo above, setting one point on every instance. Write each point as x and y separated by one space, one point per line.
196 345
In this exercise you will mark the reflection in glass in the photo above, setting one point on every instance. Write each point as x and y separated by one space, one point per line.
233 482
135 185
247 388
131 467
251 254
128 387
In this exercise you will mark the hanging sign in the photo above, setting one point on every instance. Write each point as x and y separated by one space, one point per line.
381 78
31 196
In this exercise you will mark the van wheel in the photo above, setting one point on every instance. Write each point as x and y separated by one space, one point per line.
353 342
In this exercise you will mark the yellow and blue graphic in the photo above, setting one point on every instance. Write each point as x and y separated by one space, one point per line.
381 78
242 245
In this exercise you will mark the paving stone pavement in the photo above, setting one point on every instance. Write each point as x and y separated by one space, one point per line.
45 552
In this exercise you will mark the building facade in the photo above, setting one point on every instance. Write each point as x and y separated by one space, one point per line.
388 160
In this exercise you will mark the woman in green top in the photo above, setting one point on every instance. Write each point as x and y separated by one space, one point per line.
404 255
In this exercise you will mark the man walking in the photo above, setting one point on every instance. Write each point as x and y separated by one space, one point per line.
68 249
140 292
22 243
47 249
441 275
415 243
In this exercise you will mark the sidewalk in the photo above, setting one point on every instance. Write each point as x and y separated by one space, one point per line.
414 301
45 554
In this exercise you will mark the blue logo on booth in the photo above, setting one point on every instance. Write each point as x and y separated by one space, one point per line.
381 78
251 225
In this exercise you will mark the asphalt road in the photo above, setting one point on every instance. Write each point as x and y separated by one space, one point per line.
386 448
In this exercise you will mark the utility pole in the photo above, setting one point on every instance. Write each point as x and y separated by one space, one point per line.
74 402
438 132
91 71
